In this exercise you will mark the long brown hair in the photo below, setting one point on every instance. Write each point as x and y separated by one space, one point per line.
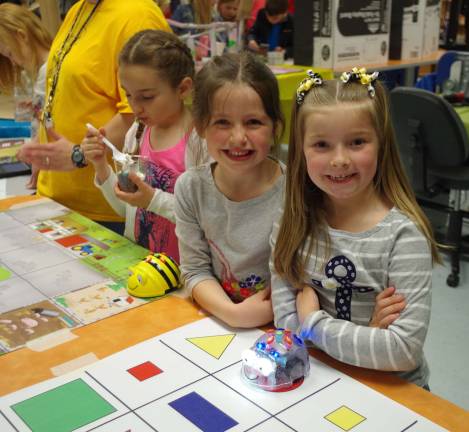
14 19
242 68
304 215
202 11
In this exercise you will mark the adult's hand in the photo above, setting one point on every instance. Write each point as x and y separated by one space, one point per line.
54 155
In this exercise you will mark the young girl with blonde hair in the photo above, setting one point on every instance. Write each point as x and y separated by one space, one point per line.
351 227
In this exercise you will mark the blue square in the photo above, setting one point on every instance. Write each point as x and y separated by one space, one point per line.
202 413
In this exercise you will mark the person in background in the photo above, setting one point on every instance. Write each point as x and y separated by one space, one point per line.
273 29
194 12
256 5
351 226
24 46
227 10
165 7
224 209
83 87
156 70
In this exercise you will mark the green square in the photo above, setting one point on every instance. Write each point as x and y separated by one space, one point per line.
63 409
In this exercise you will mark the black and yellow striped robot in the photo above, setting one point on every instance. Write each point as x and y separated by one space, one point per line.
154 276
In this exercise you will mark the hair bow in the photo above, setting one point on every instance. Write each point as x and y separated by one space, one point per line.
313 79
360 75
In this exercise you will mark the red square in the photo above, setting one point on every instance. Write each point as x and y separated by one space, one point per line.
72 240
144 371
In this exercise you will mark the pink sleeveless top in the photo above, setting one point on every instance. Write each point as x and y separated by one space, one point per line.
151 230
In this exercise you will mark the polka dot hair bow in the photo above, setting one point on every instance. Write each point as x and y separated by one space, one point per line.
313 79
360 75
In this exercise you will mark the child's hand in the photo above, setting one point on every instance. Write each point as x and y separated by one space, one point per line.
306 302
256 310
387 308
141 198
253 45
94 148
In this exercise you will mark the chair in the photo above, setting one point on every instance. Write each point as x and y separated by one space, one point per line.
434 147
443 80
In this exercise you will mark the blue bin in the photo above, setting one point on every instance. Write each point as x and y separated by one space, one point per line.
10 128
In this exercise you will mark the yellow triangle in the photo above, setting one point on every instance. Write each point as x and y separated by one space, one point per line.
213 345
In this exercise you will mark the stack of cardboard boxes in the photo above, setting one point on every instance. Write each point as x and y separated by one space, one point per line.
415 28
348 33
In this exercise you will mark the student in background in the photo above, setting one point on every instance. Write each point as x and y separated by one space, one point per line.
164 6
350 227
227 10
194 12
255 5
24 46
225 209
156 71
273 28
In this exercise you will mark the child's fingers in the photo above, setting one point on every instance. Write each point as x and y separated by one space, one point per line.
389 301
124 196
384 316
387 292
387 321
137 179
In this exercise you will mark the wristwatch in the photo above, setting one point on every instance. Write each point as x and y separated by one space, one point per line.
78 157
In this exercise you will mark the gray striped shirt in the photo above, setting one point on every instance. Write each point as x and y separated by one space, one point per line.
360 265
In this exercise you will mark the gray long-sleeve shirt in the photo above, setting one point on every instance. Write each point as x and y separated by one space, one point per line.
360 265
221 239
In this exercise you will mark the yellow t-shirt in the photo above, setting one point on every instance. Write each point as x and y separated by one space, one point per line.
88 90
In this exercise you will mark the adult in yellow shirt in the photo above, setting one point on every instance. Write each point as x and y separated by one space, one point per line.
83 87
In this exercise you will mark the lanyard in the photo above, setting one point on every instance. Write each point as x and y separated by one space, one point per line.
58 60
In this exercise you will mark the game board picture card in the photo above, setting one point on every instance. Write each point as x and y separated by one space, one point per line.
20 326
72 402
207 405
320 377
41 256
59 279
349 405
115 262
144 372
37 210
210 344
15 292
98 301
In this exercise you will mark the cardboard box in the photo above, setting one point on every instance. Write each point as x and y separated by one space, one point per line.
407 26
350 33
431 27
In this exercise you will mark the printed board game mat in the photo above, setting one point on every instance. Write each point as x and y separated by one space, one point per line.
170 383
55 261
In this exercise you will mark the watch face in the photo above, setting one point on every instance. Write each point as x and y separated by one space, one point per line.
78 158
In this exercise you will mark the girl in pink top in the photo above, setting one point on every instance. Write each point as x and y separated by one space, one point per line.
156 71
